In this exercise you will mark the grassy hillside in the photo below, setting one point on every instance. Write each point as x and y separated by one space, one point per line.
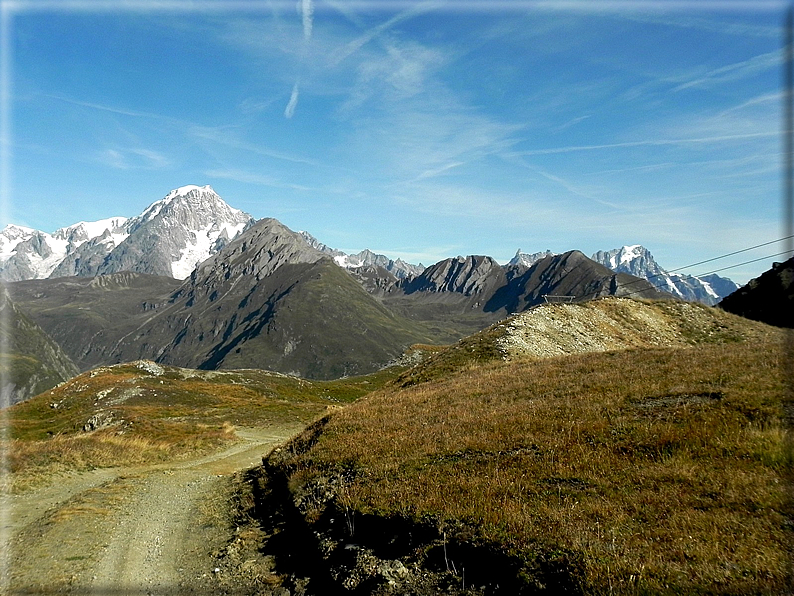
596 326
658 470
142 412
88 315
32 361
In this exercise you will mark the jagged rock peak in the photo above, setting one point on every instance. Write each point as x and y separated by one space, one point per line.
465 275
366 258
638 261
527 260
634 259
259 251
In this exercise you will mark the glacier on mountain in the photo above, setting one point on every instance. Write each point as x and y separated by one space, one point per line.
170 237
637 260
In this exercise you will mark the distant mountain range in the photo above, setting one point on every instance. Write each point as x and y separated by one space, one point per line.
192 223
192 282
637 260
270 298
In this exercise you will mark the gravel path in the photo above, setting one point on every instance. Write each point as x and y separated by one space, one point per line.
135 531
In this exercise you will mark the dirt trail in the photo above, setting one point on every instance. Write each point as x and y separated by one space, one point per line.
128 531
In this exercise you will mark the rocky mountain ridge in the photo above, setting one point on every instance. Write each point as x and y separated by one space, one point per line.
366 259
268 299
638 261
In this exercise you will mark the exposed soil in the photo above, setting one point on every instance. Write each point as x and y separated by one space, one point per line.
619 324
147 530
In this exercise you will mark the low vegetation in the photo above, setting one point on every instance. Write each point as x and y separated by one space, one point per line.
638 471
605 324
141 413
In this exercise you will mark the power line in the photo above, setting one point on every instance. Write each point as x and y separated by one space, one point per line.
655 275
746 263
709 273
730 254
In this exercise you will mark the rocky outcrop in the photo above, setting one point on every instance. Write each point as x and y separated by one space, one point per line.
768 298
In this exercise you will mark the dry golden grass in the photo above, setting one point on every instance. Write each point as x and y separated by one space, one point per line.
650 471
151 418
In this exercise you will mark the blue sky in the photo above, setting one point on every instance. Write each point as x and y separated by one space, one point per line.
417 129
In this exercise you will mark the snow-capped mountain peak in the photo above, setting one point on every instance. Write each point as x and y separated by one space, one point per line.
26 253
10 237
637 260
170 237
187 226
81 232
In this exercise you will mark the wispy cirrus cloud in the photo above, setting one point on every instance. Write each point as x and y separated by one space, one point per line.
411 10
259 179
289 111
721 26
735 71
765 99
131 158
122 111
651 143
228 137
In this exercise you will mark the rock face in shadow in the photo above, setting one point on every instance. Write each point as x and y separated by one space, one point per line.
768 298
31 361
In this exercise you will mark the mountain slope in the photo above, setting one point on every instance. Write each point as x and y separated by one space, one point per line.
638 261
768 298
32 362
87 316
630 471
269 300
607 324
